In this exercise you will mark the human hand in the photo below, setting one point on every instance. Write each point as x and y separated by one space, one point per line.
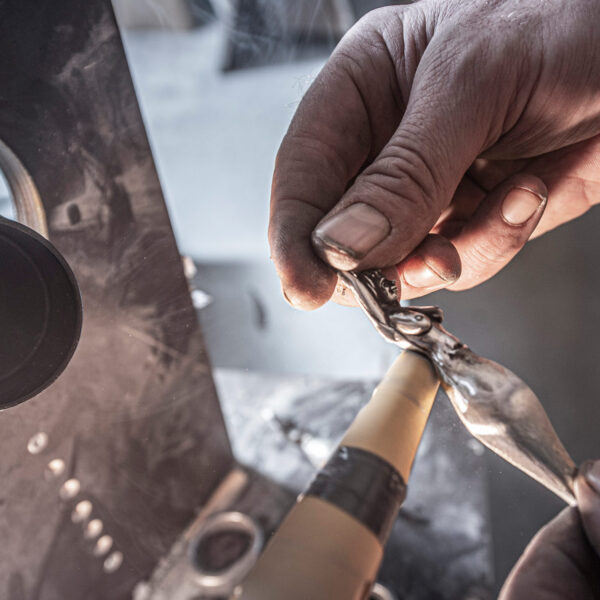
477 121
562 562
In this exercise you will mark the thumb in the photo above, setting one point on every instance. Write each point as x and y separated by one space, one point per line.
587 491
398 198
563 559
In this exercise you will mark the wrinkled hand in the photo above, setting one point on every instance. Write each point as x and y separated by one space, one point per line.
439 137
562 562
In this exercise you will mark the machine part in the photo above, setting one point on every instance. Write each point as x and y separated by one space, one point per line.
363 485
40 313
223 552
354 499
173 578
379 592
495 405
28 204
135 418
445 513
241 491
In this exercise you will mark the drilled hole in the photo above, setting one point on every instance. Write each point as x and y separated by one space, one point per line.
70 489
37 443
219 550
73 214
113 561
103 545
82 511
55 468
93 529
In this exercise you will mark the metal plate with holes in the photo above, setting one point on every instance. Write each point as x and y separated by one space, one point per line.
102 471
40 313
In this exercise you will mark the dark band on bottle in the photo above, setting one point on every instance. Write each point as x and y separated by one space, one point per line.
363 485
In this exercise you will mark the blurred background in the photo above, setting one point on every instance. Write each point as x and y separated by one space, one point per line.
218 82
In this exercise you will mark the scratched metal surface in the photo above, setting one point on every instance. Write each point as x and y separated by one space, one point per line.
134 418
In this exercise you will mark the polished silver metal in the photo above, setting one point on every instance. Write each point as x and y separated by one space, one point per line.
495 405
224 582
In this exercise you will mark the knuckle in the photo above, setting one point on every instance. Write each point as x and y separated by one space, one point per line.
391 189
490 254
378 18
405 173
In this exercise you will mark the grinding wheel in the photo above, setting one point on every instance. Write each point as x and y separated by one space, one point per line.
40 313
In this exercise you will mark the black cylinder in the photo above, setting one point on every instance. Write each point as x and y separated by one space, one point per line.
40 313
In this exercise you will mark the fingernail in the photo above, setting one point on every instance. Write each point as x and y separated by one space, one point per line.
417 273
591 472
344 239
291 300
520 205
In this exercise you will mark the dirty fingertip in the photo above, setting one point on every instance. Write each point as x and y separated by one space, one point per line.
346 237
310 294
